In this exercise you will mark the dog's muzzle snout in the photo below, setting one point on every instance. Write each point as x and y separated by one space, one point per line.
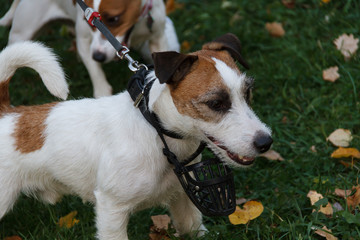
99 56
262 142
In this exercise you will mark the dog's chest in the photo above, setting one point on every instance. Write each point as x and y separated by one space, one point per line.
163 190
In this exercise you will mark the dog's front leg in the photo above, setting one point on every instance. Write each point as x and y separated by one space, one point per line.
111 217
187 219
158 43
83 40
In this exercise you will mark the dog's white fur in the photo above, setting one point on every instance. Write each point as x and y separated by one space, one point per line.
27 17
104 151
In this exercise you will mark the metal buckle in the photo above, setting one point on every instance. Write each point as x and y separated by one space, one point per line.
139 98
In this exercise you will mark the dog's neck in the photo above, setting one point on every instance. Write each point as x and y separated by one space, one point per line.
161 103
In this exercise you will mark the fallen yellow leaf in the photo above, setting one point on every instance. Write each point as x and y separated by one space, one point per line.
331 74
314 197
325 232
340 137
69 220
275 29
346 152
250 211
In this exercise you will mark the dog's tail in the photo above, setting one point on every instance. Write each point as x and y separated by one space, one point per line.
6 20
38 57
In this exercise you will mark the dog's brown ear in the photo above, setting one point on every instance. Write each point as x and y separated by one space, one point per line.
230 43
171 67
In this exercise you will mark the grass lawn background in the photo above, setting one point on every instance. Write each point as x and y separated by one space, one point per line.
289 95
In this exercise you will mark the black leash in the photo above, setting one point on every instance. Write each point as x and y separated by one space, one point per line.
94 20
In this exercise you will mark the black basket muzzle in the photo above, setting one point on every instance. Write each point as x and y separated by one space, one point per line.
210 186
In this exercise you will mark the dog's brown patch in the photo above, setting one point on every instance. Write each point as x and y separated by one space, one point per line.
202 84
29 129
30 126
126 11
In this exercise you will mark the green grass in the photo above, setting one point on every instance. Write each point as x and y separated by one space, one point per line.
288 73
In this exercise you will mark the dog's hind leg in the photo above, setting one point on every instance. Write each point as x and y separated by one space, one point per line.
111 217
8 17
9 191
187 219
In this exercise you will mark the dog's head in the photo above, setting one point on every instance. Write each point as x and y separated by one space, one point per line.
119 16
211 100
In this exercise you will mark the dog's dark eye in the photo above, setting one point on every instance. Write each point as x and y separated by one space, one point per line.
219 105
111 21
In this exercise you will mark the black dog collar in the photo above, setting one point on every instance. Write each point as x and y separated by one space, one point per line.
139 90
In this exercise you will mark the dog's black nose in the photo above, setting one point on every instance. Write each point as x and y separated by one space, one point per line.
262 142
99 56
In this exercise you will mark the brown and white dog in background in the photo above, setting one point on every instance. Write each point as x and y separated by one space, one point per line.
140 24
106 152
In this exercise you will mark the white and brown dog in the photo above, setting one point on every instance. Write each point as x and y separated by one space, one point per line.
104 150
140 24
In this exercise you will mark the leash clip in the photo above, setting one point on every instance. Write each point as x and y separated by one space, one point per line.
133 65
90 14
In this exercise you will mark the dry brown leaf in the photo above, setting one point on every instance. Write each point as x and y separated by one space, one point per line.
275 29
347 45
272 155
250 211
69 220
354 200
331 74
314 197
342 193
13 238
288 3
172 6
158 235
159 230
161 221
325 232
325 1
340 137
346 152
